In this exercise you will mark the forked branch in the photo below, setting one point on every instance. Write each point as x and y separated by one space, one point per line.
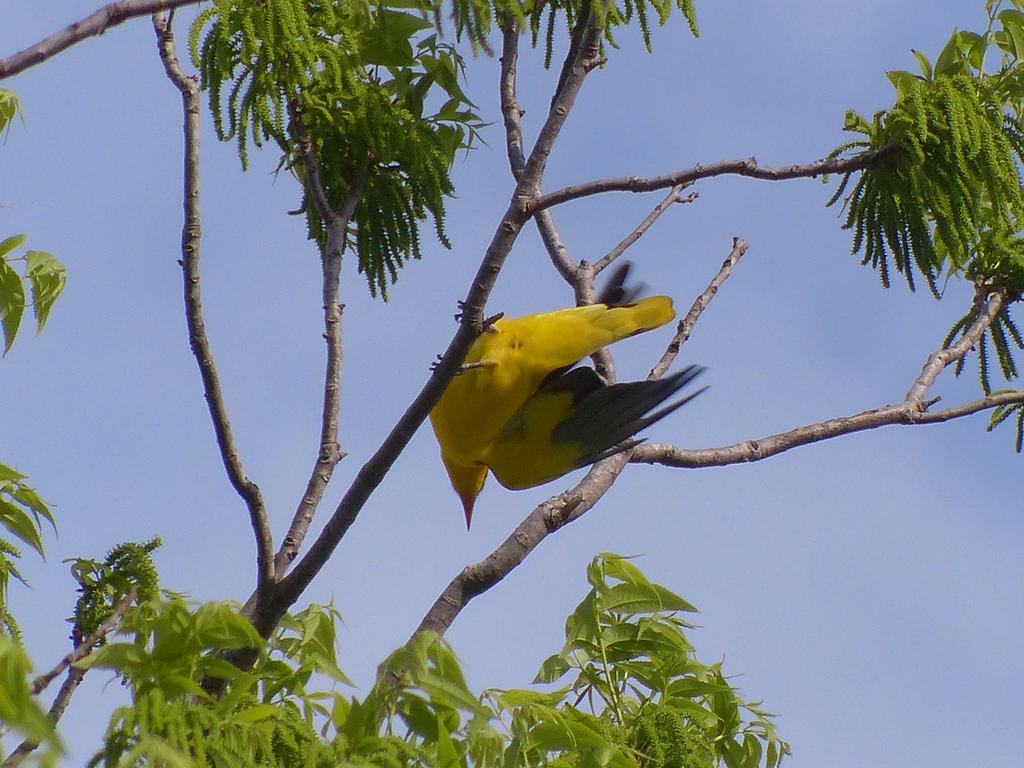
914 409
672 197
191 235
689 322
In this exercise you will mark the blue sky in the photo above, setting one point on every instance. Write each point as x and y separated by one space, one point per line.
868 588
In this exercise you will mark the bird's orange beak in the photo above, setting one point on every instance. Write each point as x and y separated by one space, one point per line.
467 480
468 500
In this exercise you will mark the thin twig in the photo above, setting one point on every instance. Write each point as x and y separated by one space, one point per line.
471 325
86 647
190 238
94 24
636 234
586 293
987 305
512 112
555 246
748 167
687 324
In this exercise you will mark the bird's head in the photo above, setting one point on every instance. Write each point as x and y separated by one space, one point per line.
467 480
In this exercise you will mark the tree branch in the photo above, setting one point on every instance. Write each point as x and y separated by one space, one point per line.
512 113
329 453
545 519
912 410
87 645
986 308
471 324
748 167
762 448
74 677
94 24
511 110
191 235
687 324
636 234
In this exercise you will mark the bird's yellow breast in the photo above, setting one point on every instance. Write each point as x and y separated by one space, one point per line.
480 400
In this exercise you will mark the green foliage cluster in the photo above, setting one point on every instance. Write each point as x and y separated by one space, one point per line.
665 738
950 190
104 585
172 720
649 703
22 512
359 82
542 17
46 278
634 666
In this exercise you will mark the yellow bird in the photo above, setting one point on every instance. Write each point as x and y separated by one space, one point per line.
520 412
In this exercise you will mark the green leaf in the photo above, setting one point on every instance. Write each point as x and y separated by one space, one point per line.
219 626
620 567
751 751
47 277
9 107
379 49
21 524
922 61
902 81
976 45
1013 24
553 668
9 473
447 754
18 708
255 714
403 25
8 245
29 498
563 734
950 60
12 301
643 598
387 42
449 692
518 697
121 657
583 622
444 72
